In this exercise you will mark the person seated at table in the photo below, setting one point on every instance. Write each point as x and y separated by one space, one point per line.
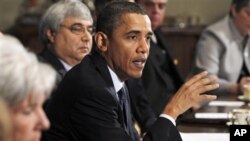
66 30
94 100
25 83
224 49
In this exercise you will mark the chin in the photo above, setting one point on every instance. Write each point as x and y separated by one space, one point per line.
137 75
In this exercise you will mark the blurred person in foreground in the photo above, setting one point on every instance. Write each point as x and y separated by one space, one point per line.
160 77
66 30
5 125
94 100
224 49
25 83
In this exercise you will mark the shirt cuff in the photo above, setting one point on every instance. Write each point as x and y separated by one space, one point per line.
169 118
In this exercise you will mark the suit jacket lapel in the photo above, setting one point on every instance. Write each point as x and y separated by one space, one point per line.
51 58
101 66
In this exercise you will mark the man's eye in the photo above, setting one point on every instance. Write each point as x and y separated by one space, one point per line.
76 29
133 37
90 29
149 38
161 6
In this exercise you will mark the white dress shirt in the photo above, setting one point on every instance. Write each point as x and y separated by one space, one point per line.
118 84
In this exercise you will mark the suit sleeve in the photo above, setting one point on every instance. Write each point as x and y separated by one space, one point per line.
163 130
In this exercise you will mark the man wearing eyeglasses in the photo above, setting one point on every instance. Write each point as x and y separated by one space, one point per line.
66 32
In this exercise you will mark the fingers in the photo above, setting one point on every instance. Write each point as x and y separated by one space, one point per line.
196 78
189 94
205 88
201 83
245 80
206 97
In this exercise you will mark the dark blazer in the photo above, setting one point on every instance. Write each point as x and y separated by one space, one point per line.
161 78
49 57
85 108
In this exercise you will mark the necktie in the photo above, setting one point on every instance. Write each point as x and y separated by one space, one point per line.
125 111
122 94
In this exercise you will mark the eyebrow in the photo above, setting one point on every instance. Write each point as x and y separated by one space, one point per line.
150 33
80 24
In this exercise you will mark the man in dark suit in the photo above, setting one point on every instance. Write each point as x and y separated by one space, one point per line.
95 100
66 33
161 78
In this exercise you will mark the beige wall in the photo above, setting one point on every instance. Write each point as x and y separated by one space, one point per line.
8 12
206 10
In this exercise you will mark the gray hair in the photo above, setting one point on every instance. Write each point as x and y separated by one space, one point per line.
58 12
21 74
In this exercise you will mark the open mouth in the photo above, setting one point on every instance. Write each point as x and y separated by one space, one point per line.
140 63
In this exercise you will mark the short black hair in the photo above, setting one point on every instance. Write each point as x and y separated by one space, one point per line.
110 16
239 4
100 4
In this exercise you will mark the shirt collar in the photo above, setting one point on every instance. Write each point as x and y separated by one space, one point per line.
118 84
65 65
153 38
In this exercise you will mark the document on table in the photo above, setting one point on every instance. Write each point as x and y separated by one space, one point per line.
205 136
226 103
211 115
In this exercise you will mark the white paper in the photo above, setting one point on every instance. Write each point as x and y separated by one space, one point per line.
211 115
205 136
226 103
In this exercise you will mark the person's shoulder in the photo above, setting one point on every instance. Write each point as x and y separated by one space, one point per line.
46 56
219 30
84 70
220 25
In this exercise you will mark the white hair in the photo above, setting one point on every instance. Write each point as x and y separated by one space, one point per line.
21 74
58 12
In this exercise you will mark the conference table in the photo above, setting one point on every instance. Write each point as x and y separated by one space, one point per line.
212 117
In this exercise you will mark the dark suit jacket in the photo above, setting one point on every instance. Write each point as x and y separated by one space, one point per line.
161 78
48 57
85 107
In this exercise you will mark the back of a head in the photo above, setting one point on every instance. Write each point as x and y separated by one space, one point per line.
111 16
21 74
58 12
100 4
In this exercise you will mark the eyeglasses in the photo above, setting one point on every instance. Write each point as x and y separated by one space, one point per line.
79 29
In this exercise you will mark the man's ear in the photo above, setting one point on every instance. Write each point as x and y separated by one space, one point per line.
101 40
51 35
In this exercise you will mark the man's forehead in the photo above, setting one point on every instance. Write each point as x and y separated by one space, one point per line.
77 20
133 17
133 20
